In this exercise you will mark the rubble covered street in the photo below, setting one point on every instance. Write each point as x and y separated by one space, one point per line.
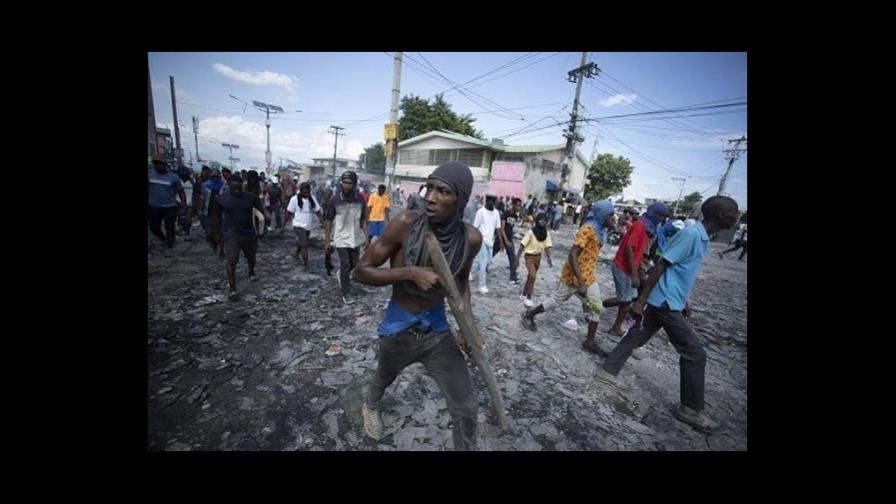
286 366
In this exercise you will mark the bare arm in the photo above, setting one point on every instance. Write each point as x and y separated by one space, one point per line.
638 305
633 265
504 239
368 270
547 253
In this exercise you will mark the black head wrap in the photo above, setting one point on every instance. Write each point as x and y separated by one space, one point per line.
451 234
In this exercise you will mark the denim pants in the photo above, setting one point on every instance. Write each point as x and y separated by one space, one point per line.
511 261
439 354
692 357
482 260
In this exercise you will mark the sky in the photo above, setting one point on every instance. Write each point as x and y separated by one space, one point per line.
523 98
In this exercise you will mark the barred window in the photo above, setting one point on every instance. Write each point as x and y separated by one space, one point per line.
473 157
414 157
437 157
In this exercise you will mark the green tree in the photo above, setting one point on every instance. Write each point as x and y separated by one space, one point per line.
419 116
608 175
373 159
686 203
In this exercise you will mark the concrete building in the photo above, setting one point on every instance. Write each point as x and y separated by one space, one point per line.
508 170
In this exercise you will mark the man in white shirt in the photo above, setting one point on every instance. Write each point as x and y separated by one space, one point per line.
302 206
487 221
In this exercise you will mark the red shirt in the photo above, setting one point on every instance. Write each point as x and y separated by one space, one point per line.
636 237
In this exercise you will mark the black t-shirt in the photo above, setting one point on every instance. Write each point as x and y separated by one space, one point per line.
237 212
511 219
274 193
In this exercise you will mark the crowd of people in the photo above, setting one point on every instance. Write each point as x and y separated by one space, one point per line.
653 270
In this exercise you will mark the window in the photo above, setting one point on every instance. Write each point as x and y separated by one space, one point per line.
414 157
437 157
473 157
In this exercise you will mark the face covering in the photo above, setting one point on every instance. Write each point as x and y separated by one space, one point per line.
451 234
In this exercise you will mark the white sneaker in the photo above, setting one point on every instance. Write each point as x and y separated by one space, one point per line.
528 303
373 424
571 324
482 290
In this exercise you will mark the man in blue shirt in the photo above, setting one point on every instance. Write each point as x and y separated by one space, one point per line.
164 188
665 294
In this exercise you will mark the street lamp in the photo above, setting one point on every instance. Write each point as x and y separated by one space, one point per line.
267 122
231 147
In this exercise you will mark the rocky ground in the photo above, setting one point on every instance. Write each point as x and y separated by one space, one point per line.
285 368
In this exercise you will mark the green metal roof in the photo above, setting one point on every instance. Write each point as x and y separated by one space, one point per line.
485 143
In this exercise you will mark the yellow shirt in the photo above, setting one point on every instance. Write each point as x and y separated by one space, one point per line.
532 245
589 245
378 205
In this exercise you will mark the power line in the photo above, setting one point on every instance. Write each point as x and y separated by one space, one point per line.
461 88
689 108
641 106
647 97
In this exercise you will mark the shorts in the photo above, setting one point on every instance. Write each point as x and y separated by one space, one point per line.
375 228
625 293
234 244
563 292
301 235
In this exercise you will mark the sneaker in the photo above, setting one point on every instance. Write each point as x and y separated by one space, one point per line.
253 278
523 298
514 282
187 238
482 290
590 346
234 295
527 322
528 303
603 375
696 419
571 324
373 424
636 354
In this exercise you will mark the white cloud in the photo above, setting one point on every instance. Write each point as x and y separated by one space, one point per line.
619 99
263 78
299 146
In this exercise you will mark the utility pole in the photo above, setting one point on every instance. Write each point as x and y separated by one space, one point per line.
572 136
196 137
732 155
391 129
178 152
231 147
675 211
152 147
336 133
